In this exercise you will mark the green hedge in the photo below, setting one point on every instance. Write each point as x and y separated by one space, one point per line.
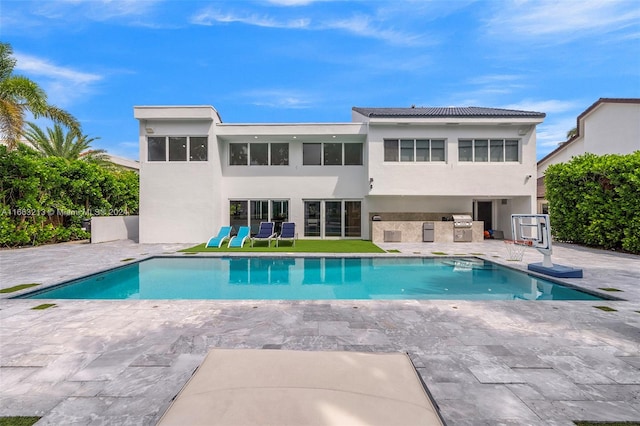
595 200
44 200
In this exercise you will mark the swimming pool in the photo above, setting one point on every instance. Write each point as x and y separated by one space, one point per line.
312 278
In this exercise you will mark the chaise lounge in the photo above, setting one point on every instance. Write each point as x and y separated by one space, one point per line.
265 233
239 240
287 233
223 235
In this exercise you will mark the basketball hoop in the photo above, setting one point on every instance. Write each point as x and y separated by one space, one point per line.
516 248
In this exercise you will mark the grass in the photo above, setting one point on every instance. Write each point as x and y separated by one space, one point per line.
606 308
18 287
393 251
18 421
439 253
608 289
301 246
43 306
128 259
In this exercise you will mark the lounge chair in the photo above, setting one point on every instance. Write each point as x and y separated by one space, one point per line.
218 240
287 233
239 240
265 233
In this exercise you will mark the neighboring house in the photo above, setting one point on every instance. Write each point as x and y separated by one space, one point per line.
124 163
609 126
389 167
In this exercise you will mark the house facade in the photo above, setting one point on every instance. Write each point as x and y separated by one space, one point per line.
387 168
608 126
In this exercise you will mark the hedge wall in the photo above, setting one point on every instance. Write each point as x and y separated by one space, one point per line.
595 200
44 200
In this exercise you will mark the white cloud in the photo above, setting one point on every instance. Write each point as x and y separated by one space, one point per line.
97 10
280 98
366 26
553 106
63 85
212 16
564 19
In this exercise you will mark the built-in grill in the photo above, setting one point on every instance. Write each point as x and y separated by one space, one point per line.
462 224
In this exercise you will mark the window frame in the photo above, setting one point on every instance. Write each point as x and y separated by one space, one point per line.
188 145
323 154
395 152
496 150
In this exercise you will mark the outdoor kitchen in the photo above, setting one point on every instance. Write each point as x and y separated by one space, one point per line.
425 227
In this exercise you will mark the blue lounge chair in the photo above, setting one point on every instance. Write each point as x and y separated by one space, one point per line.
239 240
265 233
218 240
287 233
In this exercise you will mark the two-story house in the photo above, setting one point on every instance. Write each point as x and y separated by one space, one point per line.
608 126
334 180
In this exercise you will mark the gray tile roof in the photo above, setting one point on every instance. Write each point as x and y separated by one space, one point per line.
454 112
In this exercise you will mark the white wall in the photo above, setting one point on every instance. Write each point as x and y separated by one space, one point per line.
613 128
112 228
452 177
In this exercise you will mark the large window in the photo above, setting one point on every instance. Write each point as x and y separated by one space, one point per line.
252 212
258 154
332 154
488 150
414 150
177 148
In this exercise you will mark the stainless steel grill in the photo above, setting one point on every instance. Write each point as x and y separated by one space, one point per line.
462 224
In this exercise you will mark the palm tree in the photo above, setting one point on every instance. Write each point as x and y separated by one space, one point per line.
19 95
572 133
70 145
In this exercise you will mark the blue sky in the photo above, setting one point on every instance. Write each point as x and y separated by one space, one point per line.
312 61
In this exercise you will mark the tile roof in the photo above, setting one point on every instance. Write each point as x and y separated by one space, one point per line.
454 112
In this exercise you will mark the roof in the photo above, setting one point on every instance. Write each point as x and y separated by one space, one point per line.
457 112
593 106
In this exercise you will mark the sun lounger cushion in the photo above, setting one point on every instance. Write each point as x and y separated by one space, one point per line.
279 387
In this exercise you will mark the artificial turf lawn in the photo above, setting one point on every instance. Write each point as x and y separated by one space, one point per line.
18 421
301 246
17 288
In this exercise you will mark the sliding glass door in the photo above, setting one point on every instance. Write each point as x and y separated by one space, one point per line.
332 219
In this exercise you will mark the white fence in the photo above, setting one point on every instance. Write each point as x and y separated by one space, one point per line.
111 228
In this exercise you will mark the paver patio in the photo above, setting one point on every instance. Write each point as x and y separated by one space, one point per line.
487 362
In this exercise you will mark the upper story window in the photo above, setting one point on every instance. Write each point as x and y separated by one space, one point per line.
414 150
258 154
488 150
332 154
177 148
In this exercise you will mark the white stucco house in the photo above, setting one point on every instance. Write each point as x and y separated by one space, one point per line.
388 168
608 126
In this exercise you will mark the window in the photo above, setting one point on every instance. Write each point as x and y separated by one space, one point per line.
391 150
198 149
177 148
332 154
238 154
406 150
485 150
511 152
279 154
353 154
156 148
311 154
259 154
414 150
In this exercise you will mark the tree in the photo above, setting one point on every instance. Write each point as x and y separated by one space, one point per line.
19 95
69 145
572 133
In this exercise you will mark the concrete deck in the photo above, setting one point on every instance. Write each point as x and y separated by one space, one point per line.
486 363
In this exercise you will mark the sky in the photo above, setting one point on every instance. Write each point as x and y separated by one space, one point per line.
313 60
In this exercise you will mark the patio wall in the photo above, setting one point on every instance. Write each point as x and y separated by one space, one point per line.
112 228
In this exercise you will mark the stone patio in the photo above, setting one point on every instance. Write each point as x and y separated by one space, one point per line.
486 363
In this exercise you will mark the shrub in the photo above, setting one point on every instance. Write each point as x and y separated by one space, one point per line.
595 200
44 200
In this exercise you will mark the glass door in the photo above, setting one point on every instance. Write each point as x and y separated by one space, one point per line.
312 218
333 218
259 213
352 219
279 213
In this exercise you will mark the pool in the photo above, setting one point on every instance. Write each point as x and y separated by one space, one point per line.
312 278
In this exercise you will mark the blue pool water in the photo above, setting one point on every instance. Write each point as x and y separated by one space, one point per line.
312 279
